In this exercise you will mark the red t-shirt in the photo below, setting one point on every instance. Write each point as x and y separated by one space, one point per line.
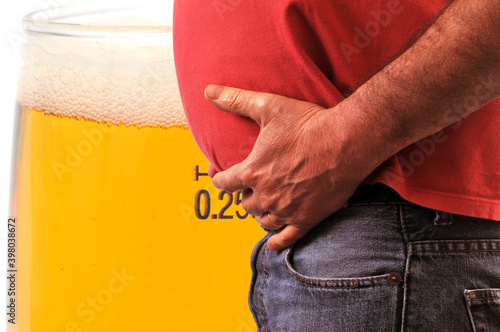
320 51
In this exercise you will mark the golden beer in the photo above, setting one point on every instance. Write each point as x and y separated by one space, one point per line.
114 225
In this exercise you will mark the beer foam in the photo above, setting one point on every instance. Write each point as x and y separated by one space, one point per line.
119 82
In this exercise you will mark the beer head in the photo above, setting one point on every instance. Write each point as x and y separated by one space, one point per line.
117 71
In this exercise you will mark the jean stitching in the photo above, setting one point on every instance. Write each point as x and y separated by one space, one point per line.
457 241
420 246
329 280
485 317
325 287
308 281
408 253
350 280
485 298
264 282
453 251
471 316
255 293
484 291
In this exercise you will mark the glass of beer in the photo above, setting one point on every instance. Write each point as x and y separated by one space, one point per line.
114 224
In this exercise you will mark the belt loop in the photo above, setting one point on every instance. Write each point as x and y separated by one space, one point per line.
443 219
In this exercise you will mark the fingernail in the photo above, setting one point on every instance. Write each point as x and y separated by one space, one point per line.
213 91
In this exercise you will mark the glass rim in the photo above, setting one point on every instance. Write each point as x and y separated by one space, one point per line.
57 21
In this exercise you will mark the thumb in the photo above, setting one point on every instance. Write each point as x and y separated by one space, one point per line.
286 237
259 106
232 179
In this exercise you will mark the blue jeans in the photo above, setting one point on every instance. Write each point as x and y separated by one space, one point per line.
381 264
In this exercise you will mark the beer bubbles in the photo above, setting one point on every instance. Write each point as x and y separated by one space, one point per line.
135 85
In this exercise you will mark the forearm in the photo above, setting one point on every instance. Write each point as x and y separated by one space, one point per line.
450 72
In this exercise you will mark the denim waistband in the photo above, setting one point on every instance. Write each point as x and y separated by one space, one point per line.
420 223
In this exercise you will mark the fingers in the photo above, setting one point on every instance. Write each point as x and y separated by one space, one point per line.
251 203
211 170
232 100
255 105
269 221
286 237
230 180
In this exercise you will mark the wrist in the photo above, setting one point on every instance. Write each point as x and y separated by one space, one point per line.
369 137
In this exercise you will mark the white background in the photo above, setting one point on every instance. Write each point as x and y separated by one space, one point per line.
10 21
11 33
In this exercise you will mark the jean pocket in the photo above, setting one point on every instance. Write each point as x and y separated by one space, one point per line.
484 309
318 281
356 247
